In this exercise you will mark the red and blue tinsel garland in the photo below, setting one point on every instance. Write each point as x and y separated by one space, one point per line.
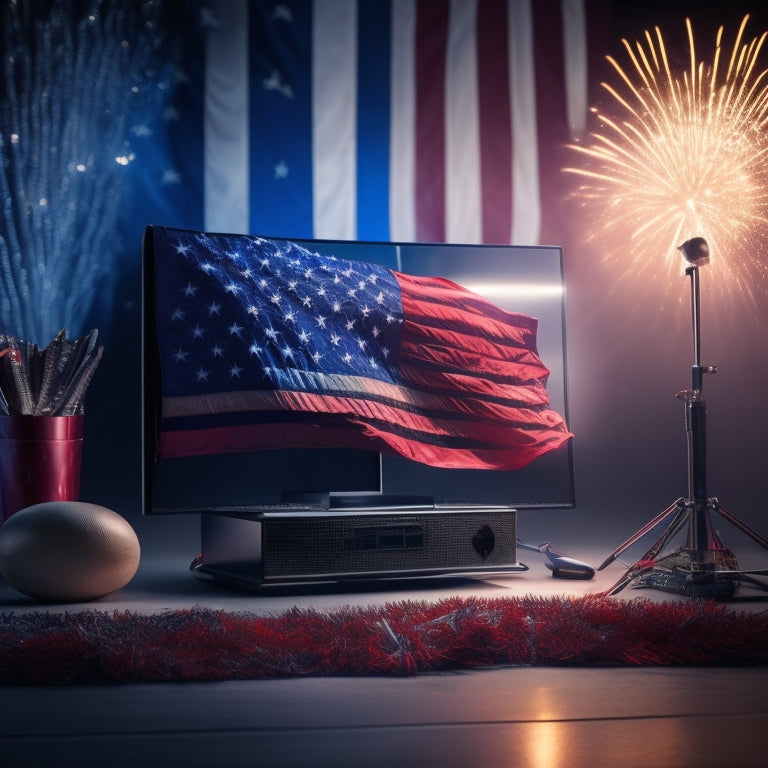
403 638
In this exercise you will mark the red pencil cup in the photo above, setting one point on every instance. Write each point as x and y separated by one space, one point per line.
40 460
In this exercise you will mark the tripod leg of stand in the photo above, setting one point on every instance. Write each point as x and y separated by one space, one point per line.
639 534
743 527
631 574
648 560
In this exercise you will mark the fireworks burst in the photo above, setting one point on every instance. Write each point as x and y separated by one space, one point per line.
683 155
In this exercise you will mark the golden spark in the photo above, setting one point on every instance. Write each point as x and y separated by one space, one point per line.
681 154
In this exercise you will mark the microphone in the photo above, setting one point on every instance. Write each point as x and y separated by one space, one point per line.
695 251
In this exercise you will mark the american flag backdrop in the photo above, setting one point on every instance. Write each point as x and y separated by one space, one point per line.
262 344
386 120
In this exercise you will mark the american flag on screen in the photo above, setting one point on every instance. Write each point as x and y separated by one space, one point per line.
385 120
265 344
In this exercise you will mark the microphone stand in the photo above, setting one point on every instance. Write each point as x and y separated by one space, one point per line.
704 567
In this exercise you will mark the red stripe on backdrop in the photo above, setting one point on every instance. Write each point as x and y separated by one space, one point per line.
599 45
495 121
431 47
551 114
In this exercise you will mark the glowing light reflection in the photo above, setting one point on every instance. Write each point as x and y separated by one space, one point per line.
495 290
546 740
679 154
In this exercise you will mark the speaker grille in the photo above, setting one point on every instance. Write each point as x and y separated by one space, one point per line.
388 543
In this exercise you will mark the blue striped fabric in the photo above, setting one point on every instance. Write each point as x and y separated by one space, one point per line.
341 98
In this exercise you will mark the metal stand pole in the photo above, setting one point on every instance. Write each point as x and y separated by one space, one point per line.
704 567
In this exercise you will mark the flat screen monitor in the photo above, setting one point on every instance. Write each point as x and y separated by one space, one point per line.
518 279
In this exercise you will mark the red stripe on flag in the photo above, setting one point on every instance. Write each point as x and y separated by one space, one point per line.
241 438
431 47
459 422
439 361
462 440
435 395
441 315
495 121
551 112
437 300
458 386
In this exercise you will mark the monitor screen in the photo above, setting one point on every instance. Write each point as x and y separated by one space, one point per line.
211 465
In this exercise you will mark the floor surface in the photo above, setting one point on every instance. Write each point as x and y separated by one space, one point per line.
531 717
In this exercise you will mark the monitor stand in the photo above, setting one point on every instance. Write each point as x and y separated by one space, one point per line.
361 501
